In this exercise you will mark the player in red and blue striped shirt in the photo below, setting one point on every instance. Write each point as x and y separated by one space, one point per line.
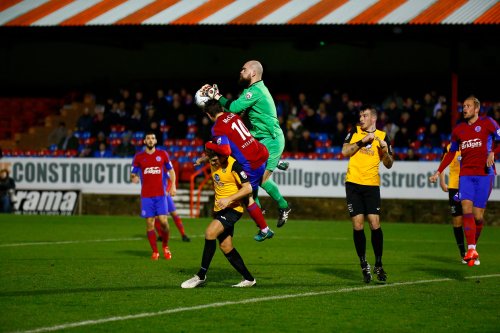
151 167
474 138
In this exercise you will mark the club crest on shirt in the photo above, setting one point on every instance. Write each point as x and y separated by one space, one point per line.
248 95
477 129
158 158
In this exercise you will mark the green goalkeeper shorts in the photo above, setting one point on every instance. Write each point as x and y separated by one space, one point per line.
275 147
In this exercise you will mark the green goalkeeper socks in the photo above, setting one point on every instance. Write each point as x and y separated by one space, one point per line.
274 192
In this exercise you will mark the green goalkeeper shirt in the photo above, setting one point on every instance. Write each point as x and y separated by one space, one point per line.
256 101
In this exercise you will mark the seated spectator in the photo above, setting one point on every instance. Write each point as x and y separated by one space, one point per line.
7 192
432 136
403 138
69 142
101 138
100 124
103 151
411 156
125 148
291 142
339 135
135 121
84 122
306 144
180 129
391 129
323 121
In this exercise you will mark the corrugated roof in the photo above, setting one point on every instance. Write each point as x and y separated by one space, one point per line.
222 12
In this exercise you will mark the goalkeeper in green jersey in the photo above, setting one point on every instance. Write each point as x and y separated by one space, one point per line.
258 104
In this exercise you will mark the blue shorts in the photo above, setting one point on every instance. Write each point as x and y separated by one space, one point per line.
154 206
476 189
170 204
255 176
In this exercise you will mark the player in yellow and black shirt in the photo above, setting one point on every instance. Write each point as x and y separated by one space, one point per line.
454 202
366 147
231 187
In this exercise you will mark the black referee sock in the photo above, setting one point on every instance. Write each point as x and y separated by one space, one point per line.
378 245
208 254
360 243
236 261
459 237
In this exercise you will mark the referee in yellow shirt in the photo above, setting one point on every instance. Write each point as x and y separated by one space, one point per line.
366 147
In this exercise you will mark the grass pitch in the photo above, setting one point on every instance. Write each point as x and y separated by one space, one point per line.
93 274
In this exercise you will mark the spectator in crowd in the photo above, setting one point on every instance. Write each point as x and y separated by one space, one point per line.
339 134
411 156
417 115
432 136
155 128
324 122
135 121
391 129
309 120
160 103
100 124
392 110
403 139
204 132
69 142
180 129
306 144
57 134
101 138
291 142
103 151
428 107
7 192
84 122
151 116
125 148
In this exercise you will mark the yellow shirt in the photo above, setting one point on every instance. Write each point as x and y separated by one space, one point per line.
454 169
227 181
363 166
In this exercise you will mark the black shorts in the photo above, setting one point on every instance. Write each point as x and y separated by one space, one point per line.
228 217
362 199
455 206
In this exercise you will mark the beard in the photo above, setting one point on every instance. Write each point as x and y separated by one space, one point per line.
244 82
150 146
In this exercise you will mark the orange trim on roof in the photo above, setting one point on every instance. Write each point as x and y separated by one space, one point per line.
146 12
91 13
317 12
376 12
438 12
202 12
258 12
492 15
38 12
4 4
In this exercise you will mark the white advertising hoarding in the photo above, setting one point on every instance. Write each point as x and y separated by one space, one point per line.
304 178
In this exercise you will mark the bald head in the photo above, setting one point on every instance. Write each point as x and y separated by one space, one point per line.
251 72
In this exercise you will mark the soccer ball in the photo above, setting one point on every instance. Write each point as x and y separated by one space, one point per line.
200 98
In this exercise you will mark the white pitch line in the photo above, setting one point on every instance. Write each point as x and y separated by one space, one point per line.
245 301
84 241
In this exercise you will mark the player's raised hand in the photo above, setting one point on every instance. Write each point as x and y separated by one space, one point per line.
213 92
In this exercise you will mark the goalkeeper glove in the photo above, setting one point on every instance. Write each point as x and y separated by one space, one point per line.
213 93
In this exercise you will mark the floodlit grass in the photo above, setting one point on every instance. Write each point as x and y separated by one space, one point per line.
93 274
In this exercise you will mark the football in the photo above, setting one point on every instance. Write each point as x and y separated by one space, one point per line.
200 98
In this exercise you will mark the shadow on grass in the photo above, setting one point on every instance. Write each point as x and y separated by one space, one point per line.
341 273
442 272
83 290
